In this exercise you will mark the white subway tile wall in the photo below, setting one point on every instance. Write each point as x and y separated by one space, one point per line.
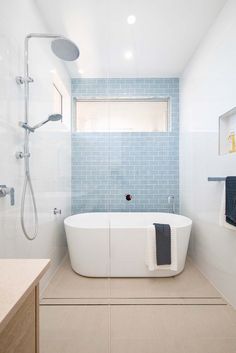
49 146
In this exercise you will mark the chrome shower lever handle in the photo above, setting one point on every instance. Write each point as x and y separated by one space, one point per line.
4 191
12 196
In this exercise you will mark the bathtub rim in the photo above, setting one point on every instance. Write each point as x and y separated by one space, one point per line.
187 221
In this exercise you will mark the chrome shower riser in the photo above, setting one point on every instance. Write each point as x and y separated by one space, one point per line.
70 54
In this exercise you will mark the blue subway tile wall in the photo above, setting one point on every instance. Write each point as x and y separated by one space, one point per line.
108 165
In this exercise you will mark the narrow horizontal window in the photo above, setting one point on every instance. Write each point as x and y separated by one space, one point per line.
122 115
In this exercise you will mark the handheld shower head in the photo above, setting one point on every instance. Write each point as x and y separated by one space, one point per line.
53 117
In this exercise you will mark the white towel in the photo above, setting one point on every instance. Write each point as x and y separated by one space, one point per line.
222 220
150 256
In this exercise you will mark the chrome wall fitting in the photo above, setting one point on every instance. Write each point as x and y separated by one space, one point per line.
20 80
26 126
4 191
56 211
21 155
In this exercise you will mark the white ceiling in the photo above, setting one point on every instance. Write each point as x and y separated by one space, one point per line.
164 37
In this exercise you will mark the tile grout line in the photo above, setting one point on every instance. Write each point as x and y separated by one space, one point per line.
134 298
139 304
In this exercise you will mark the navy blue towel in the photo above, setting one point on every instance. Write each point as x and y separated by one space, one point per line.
230 200
163 243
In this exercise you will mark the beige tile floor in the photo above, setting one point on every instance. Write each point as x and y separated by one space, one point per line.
184 314
138 329
74 329
172 329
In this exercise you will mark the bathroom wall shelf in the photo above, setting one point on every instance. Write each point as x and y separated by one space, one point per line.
227 132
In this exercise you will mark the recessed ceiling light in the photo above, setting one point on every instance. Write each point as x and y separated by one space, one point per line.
131 19
81 71
53 71
128 55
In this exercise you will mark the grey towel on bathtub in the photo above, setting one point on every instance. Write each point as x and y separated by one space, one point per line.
163 243
230 200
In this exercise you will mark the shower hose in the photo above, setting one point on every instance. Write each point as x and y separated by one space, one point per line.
28 184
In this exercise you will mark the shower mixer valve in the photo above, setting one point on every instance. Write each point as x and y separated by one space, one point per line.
4 191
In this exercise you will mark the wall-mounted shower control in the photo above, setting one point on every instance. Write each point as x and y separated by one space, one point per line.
56 211
171 203
4 191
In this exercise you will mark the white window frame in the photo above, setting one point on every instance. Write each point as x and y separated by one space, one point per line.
122 99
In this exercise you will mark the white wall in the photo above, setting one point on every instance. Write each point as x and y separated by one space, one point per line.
50 146
208 89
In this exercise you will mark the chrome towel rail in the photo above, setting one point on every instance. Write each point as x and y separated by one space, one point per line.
216 178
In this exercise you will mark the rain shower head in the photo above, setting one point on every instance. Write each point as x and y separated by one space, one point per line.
65 49
61 46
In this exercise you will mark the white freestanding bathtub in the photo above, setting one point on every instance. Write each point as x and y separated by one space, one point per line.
113 244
